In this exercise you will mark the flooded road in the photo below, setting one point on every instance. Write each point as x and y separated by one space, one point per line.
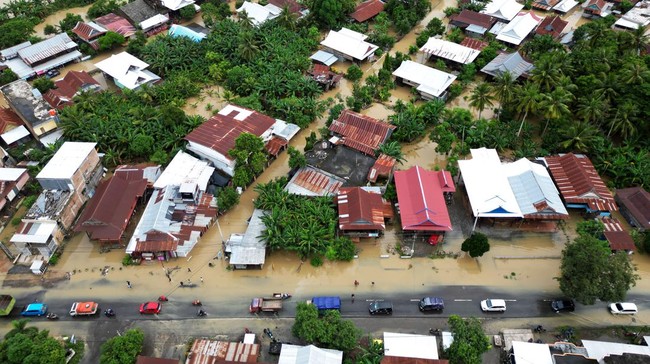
55 18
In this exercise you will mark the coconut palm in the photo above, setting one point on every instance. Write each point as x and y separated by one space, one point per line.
634 73
393 149
245 19
578 137
592 109
247 47
555 105
287 19
546 74
481 97
624 122
608 86
503 88
639 39
529 98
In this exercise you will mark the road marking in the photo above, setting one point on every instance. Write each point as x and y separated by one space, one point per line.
510 300
462 300
414 300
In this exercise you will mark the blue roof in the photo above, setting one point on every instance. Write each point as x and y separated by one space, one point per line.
181 31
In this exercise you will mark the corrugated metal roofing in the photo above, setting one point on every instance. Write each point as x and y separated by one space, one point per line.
618 238
383 167
220 131
206 351
421 201
534 190
35 53
551 26
68 86
309 181
361 132
579 182
636 201
544 4
360 209
512 63
473 18
449 50
294 6
88 31
116 24
367 9
474 43
8 120
251 249
275 145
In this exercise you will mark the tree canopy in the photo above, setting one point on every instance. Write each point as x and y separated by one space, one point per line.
250 159
476 245
28 345
326 331
470 342
122 349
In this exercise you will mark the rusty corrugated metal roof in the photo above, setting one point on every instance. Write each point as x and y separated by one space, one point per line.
86 31
361 132
637 202
360 209
579 182
275 145
421 202
8 118
473 18
367 9
68 86
116 24
544 4
551 26
294 6
474 43
206 351
383 167
317 182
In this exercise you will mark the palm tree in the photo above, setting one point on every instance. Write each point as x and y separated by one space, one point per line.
592 109
481 97
578 137
640 39
608 86
624 122
393 149
546 73
287 19
245 19
503 88
247 47
556 105
529 99
634 73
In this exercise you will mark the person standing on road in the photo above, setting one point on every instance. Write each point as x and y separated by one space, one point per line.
128 284
201 279
353 298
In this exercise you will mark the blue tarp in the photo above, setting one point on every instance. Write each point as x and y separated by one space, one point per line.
327 303
180 31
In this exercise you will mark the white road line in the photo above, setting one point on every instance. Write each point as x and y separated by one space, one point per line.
510 300
414 300
462 300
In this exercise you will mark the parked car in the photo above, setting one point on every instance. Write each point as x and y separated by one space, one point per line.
34 309
150 307
381 308
563 304
431 304
52 73
623 308
493 305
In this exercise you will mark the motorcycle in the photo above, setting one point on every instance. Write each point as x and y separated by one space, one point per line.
284 296
540 329
434 331
197 303
201 313
109 312
163 299
52 316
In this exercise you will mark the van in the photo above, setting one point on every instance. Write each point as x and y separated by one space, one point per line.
431 304
381 308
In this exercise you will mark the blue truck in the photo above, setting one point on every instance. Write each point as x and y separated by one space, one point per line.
326 303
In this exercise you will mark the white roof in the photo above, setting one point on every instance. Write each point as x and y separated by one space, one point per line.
450 50
325 58
284 130
488 190
447 339
294 354
350 43
154 21
176 4
185 169
67 160
251 249
565 5
11 174
15 134
52 137
258 13
638 16
531 353
519 28
410 345
430 80
600 349
503 9
126 69
39 232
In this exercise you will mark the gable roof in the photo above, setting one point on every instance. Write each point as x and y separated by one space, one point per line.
350 43
250 248
513 63
88 31
40 51
67 87
8 120
127 70
367 9
636 201
383 167
361 132
430 80
32 109
176 4
220 131
579 182
310 181
422 205
519 28
116 24
185 168
469 17
565 5
474 43
258 13
138 11
552 26
544 4
294 354
503 9
360 209
294 6
449 50
616 236
109 210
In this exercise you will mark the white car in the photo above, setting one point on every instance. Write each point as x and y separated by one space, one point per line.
623 308
493 305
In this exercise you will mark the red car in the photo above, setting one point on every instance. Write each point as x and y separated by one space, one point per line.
150 308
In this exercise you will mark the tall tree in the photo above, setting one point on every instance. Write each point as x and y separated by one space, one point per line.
546 74
578 137
529 98
328 14
249 157
555 105
470 341
481 97
592 108
504 88
247 47
624 122
476 245
639 39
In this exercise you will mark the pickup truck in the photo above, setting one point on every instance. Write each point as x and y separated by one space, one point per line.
326 303
7 303
265 305
84 308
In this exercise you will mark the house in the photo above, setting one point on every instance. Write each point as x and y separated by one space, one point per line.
28 60
138 11
259 14
207 351
579 183
362 212
12 181
473 23
214 139
323 58
503 10
635 206
616 236
178 212
361 132
68 180
108 212
350 45
519 28
294 354
638 16
127 71
294 7
346 164
411 346
429 82
310 181
248 250
474 43
324 76
71 85
545 5
512 63
552 26
422 202
154 25
564 6
174 6
592 352
89 32
597 8
12 128
117 24
383 167
367 10
180 31
36 114
450 51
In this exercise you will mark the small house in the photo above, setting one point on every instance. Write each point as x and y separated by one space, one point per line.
127 71
512 63
294 354
71 85
117 24
361 132
450 51
28 60
519 28
564 6
473 23
12 181
503 10
429 82
634 203
553 26
248 250
350 45
12 128
367 10
597 9
362 212
89 32
259 14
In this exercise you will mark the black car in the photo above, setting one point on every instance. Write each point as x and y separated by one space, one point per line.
52 73
381 308
563 304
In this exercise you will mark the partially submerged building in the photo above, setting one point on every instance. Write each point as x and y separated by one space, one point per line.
367 10
294 354
504 10
71 85
473 23
449 51
207 351
127 71
361 132
350 45
310 181
634 203
248 250
12 181
27 60
519 28
512 63
117 24
89 33
362 212
259 14
12 129
429 82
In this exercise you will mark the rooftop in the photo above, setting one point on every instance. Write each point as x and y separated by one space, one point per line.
294 354
116 24
553 26
383 167
127 70
138 11
185 169
350 43
470 17
503 9
73 83
206 351
410 345
430 80
250 249
360 209
367 9
34 109
350 165
361 132
519 28
512 63
48 48
310 181
636 201
48 205
8 120
449 50
67 160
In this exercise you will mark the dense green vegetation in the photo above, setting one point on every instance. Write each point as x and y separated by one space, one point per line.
28 345
476 245
122 349
325 331
470 341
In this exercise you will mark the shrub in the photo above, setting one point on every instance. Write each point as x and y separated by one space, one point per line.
50 29
127 260
227 198
188 12
16 220
54 259
354 73
413 49
316 261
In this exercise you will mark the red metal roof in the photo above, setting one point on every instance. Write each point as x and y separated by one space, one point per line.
383 167
294 6
360 209
473 43
86 32
595 6
421 202
117 24
109 210
618 238
367 9
157 241
8 120
446 181
275 145
206 351
636 201
545 4
67 87
551 26
316 181
220 131
361 132
579 182
471 17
